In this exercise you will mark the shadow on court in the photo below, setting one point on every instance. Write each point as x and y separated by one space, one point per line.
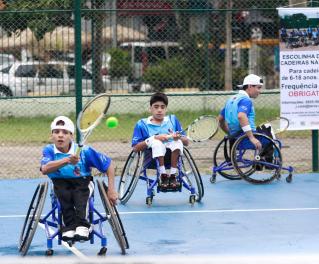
235 218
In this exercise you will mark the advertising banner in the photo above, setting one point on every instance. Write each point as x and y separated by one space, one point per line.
299 67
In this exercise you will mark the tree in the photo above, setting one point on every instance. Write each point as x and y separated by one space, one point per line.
43 21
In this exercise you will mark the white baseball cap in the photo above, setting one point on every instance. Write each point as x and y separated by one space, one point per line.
62 122
252 79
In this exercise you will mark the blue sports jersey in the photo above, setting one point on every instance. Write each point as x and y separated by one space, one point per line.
89 158
240 102
144 128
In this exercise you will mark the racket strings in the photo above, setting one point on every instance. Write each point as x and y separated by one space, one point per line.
93 111
279 125
202 129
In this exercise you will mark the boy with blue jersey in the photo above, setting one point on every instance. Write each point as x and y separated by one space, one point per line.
72 179
158 133
238 115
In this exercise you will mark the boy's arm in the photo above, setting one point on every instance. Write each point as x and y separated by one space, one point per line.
138 138
53 166
49 165
244 123
111 191
222 124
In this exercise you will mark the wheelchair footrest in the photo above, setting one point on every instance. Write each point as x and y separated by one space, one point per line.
169 189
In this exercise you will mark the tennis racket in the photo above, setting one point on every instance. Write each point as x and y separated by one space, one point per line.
202 128
90 117
278 125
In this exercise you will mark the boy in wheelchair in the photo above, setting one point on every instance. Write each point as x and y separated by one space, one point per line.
158 133
238 118
71 177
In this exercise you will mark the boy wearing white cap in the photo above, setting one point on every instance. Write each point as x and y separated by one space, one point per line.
72 179
238 115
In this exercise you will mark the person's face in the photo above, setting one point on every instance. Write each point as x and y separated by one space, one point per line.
62 139
158 110
253 90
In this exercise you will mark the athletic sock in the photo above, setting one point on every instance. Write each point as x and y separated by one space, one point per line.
162 170
173 170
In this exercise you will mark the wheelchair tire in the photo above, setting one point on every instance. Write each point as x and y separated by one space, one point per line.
246 159
226 174
113 218
32 218
129 178
197 177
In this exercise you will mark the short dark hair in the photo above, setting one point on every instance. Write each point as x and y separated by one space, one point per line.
159 97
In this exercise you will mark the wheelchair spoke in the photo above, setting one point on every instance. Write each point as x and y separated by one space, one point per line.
190 175
129 177
257 167
32 218
113 218
222 161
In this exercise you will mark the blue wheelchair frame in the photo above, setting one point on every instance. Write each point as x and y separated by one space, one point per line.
231 163
56 222
52 221
152 183
144 161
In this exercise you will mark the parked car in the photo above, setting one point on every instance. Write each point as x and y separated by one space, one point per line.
144 53
106 59
42 78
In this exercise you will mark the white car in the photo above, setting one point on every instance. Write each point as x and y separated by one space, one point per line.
42 78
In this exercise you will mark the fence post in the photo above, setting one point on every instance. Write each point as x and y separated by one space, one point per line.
78 60
315 150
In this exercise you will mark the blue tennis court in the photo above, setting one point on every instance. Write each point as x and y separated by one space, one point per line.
235 218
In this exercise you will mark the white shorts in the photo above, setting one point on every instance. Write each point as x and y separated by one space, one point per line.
159 148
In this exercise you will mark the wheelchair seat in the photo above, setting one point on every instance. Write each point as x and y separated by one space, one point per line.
52 221
140 166
246 162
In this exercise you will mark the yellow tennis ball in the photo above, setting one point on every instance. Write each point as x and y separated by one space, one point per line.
112 122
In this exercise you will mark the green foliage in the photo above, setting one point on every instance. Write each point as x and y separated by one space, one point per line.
167 73
120 63
39 22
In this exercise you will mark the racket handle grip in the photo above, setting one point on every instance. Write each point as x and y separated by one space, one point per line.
78 150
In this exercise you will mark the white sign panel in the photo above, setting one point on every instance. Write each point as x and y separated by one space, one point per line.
299 67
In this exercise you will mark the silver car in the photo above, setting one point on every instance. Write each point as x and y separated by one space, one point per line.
36 78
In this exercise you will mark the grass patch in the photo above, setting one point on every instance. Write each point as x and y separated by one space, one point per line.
37 130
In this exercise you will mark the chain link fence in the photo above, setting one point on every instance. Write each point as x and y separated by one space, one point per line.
196 51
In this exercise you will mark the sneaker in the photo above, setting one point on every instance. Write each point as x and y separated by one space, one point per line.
82 233
164 180
173 182
68 235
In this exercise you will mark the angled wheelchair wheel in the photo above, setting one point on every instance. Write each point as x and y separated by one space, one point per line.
113 218
130 176
253 166
32 217
222 161
191 175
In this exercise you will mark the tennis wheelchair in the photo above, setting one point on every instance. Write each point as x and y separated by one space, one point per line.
141 166
237 158
52 221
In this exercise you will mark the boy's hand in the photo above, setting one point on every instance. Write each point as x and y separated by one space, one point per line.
162 137
256 143
112 195
175 135
73 159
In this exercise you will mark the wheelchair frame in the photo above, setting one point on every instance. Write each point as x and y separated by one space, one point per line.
52 221
129 179
232 167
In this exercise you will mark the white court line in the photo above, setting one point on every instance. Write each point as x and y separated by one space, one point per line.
73 249
201 211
